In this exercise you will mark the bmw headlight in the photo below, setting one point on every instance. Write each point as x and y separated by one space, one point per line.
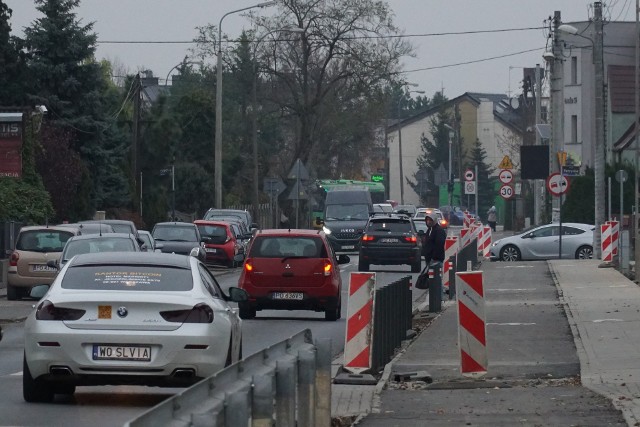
326 230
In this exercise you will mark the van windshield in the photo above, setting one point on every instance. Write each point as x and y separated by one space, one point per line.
350 212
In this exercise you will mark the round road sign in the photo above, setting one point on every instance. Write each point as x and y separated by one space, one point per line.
506 191
470 187
469 175
557 184
505 176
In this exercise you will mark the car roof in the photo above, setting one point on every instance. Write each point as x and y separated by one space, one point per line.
288 232
49 227
147 232
103 236
176 223
387 216
132 258
211 222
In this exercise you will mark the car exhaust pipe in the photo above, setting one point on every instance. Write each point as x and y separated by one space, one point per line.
60 371
184 373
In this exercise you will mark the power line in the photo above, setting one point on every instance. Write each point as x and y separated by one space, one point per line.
452 33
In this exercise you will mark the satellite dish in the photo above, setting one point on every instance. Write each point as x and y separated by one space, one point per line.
515 103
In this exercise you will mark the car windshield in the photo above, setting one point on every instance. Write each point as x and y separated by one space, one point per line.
288 246
108 244
175 233
121 228
127 278
355 212
43 240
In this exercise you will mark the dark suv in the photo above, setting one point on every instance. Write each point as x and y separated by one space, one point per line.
390 239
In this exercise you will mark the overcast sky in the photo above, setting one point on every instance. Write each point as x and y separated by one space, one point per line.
436 56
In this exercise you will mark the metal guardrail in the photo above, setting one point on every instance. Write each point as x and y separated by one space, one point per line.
391 320
289 381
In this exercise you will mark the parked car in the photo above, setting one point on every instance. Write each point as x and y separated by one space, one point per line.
390 239
245 215
128 318
177 237
35 247
421 214
290 269
150 244
94 243
543 242
221 244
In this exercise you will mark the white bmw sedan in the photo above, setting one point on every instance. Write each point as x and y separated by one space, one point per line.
129 318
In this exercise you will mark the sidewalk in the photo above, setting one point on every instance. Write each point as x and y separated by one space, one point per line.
603 311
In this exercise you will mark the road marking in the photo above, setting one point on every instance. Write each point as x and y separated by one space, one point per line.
517 266
511 324
607 320
511 289
610 286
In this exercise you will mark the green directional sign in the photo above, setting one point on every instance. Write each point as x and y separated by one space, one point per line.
377 178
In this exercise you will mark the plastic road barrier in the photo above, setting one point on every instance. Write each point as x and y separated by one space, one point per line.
472 330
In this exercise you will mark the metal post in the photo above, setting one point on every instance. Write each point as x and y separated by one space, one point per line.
264 390
286 392
621 226
452 277
609 187
537 218
557 103
599 143
435 289
323 382
400 157
306 387
477 191
173 192
560 217
237 407
636 229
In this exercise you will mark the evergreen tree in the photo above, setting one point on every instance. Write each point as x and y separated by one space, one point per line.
72 85
484 184
13 76
434 152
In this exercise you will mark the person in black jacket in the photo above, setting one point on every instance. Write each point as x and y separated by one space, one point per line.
433 240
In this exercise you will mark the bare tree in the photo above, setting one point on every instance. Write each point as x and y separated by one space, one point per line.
509 144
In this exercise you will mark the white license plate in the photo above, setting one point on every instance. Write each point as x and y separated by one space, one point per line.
43 267
389 240
348 247
288 295
136 353
210 250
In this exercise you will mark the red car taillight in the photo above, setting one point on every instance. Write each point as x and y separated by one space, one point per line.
200 313
13 261
248 266
47 311
367 238
443 222
411 239
327 267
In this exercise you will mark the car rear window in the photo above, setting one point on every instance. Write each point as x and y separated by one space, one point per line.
217 233
175 233
286 246
127 278
104 244
390 226
43 240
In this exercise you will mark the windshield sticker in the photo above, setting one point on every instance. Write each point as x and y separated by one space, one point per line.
128 278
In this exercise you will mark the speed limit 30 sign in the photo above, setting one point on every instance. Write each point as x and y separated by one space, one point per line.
506 191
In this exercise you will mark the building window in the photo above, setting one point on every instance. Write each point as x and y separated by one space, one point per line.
574 129
574 70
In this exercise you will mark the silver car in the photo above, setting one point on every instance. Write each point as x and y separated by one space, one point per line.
543 242
134 318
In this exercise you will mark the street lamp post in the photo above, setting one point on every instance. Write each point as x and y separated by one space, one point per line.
599 142
254 113
400 141
217 166
452 133
183 63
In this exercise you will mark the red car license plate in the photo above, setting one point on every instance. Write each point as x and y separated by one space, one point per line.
288 295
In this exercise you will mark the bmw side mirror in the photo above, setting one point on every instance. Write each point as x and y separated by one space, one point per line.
237 294
343 259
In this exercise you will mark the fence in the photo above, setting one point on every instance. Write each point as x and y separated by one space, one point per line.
391 320
289 381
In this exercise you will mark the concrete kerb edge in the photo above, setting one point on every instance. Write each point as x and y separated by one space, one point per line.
627 412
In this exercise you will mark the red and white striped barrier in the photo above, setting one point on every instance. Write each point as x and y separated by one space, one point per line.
606 244
615 233
450 249
472 329
465 237
484 242
359 336
467 219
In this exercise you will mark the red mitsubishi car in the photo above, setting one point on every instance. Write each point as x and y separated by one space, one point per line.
221 245
291 270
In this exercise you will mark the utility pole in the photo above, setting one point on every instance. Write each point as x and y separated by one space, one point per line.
599 142
636 229
557 106
136 131
536 182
